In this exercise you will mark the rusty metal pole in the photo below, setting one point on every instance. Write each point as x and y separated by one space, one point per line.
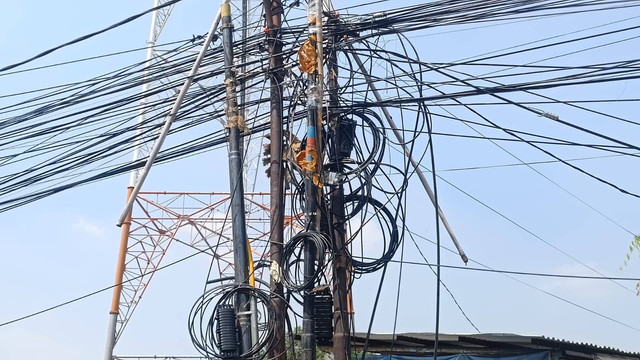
341 266
273 17
117 290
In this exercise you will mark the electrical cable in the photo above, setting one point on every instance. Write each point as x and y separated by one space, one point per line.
88 36
50 140
54 307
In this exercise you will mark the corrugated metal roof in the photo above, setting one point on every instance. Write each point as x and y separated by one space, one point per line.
591 346
487 343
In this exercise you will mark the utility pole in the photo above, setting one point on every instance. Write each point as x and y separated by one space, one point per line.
243 53
235 124
341 266
243 91
273 16
311 200
312 63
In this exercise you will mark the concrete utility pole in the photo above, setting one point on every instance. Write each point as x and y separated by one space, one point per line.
273 16
235 124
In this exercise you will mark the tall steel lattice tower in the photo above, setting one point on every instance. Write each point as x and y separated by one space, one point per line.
201 218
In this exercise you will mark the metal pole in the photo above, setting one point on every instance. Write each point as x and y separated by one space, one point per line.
235 124
308 337
414 163
243 91
170 119
243 112
117 290
133 176
341 266
320 80
273 16
312 181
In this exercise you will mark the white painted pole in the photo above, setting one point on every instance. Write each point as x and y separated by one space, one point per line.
151 43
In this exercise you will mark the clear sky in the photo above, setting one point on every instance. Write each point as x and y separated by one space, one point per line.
66 245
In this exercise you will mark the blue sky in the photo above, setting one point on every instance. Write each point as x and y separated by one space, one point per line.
66 245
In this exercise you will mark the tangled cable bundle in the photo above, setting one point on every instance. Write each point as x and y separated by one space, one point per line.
215 311
369 151
56 138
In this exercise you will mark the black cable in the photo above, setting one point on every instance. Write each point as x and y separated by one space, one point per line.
96 292
102 56
523 273
438 261
203 321
88 36
292 259
455 301
544 291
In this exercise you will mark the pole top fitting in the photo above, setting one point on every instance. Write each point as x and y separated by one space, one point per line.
225 9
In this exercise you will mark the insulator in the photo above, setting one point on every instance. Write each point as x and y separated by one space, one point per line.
226 331
323 316
266 151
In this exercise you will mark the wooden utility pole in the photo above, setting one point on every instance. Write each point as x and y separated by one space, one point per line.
273 17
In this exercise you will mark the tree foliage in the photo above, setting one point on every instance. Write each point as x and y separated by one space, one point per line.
634 247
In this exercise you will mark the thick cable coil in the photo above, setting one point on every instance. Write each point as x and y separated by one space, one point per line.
213 326
388 223
369 152
292 260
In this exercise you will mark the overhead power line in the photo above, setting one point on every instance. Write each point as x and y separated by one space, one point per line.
71 301
88 36
524 273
